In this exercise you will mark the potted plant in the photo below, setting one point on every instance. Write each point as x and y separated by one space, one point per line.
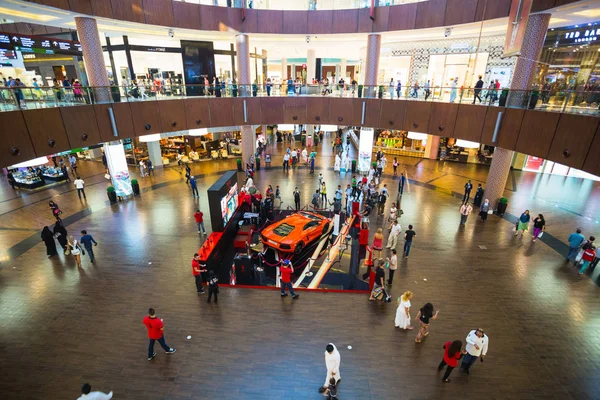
360 90
112 194
502 204
380 94
135 186
257 159
239 165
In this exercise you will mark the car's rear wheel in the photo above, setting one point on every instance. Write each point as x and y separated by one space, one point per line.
325 229
299 247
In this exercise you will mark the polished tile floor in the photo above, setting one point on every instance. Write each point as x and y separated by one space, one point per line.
62 326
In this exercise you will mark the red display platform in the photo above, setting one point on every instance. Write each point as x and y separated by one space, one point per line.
209 245
245 229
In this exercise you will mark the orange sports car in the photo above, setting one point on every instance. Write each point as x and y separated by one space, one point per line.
295 231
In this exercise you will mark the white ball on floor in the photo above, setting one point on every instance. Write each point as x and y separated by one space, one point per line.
349 347
189 337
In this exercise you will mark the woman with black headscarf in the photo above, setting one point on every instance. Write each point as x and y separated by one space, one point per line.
61 235
48 239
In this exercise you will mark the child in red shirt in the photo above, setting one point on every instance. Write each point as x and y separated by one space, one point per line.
588 256
199 215
286 278
155 328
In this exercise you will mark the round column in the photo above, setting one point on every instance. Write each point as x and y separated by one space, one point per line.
526 65
284 74
311 65
87 31
248 144
372 65
496 179
523 77
242 45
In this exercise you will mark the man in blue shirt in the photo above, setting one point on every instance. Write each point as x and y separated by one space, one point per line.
575 241
401 183
87 241
194 186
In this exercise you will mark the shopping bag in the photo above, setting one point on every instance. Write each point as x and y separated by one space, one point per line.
579 255
540 235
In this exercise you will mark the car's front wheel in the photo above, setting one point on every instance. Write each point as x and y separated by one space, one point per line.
325 229
299 247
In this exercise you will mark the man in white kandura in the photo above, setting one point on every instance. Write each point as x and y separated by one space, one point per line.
332 362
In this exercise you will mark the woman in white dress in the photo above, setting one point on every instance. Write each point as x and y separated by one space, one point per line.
402 320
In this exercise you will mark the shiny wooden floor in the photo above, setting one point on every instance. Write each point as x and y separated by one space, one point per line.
61 326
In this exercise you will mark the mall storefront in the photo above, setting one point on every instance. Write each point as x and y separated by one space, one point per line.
171 63
570 61
439 61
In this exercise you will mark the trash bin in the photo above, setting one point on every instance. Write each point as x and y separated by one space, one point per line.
112 195
136 187
353 166
502 205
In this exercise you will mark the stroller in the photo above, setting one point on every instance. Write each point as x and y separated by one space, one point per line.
380 294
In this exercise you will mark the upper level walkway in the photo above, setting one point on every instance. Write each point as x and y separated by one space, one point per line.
558 126
406 14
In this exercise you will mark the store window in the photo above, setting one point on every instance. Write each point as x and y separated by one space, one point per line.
535 164
400 143
452 149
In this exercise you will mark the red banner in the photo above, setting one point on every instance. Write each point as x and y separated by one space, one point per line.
517 22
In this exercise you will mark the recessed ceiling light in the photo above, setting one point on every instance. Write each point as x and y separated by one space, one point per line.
589 24
576 26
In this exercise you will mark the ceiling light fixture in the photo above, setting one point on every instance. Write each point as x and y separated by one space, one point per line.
27 15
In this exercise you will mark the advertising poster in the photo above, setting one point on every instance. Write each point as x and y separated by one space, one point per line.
365 149
517 21
117 166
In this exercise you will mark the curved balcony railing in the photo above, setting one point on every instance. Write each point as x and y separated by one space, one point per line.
299 5
566 101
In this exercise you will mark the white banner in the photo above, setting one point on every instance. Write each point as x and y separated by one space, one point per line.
365 149
117 166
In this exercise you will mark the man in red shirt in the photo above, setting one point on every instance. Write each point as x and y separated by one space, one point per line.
199 215
197 272
286 279
155 332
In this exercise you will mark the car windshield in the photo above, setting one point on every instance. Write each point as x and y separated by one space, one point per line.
283 230
310 216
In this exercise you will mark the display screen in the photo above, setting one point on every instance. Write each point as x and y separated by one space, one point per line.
229 203
198 63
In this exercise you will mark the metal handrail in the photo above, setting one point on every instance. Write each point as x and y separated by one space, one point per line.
578 101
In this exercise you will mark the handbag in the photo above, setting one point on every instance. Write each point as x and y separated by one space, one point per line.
579 256
540 235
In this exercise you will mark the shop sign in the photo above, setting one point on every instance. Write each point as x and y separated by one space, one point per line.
32 44
154 49
579 36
